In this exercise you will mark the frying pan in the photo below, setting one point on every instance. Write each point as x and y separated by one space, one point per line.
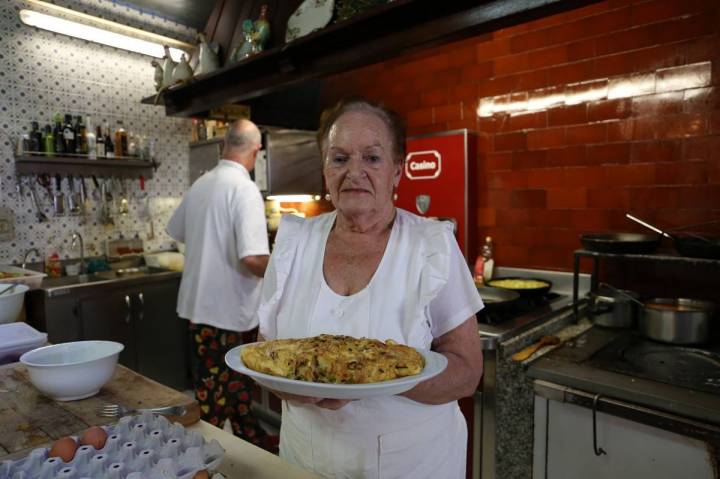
620 243
525 292
496 299
687 244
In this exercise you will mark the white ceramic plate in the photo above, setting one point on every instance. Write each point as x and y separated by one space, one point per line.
435 363
311 15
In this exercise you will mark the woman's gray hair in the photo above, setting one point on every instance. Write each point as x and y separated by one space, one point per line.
393 122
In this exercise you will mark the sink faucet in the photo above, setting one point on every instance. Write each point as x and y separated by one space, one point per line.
77 237
27 255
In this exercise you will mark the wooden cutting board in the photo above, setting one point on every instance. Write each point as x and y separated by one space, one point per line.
29 419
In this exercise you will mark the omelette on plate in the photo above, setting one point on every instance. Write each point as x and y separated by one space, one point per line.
334 359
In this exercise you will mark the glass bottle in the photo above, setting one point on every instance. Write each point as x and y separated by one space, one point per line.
58 134
48 140
90 140
100 142
109 146
121 144
35 137
80 136
68 135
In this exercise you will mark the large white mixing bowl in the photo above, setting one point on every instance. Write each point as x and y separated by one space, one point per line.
74 370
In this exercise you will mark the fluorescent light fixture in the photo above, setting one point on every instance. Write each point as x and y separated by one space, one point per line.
291 198
102 31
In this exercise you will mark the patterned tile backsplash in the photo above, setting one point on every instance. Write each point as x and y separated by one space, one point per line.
42 73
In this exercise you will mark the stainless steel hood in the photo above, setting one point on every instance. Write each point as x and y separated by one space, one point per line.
289 163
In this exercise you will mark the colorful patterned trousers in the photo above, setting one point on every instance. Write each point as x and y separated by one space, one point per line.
221 392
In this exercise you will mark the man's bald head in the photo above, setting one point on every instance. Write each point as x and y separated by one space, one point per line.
242 142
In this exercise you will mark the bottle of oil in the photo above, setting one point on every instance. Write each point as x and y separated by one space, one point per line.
121 140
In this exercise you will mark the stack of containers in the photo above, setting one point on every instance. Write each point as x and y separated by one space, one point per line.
18 338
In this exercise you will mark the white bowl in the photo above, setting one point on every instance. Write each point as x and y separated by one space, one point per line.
74 370
11 302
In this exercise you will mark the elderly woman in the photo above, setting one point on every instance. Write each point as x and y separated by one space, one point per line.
371 270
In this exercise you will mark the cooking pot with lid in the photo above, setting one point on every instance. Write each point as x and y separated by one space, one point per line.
614 308
677 320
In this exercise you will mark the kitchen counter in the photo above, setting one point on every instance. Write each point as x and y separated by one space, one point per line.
570 366
247 461
30 420
51 287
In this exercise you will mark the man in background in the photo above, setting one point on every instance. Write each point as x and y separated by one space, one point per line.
221 220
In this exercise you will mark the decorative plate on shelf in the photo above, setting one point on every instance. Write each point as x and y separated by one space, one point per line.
435 363
311 15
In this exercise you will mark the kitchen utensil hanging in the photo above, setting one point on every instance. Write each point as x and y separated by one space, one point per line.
687 244
58 197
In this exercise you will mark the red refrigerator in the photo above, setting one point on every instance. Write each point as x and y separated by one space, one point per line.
438 181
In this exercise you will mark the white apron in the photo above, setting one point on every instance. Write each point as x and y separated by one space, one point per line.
385 437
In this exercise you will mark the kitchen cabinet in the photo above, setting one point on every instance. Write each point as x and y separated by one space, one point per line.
626 449
140 315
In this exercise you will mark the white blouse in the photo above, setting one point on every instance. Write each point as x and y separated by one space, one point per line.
421 290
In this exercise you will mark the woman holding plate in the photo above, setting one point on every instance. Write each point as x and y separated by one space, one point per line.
371 270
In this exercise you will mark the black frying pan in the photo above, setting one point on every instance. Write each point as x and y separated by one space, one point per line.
524 292
620 243
705 247
687 244
496 299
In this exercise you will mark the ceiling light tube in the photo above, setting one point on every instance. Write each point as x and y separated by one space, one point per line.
102 31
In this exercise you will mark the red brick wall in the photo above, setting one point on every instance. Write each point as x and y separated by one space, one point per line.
638 129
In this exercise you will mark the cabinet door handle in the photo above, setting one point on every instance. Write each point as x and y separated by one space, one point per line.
128 308
141 313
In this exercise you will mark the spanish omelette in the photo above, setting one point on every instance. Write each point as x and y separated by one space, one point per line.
334 359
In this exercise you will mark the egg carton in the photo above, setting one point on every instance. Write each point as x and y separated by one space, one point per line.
145 446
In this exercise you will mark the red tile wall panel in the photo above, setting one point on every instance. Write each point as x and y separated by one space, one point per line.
631 120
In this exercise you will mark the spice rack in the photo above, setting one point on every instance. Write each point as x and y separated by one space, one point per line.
33 163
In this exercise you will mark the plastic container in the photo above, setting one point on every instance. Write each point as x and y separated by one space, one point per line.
137 447
16 339
168 260
13 274
11 302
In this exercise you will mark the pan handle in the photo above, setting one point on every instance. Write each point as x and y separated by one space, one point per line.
647 225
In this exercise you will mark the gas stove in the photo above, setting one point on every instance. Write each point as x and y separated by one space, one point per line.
688 367
526 313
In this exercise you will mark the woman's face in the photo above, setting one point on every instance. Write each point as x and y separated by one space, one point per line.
359 169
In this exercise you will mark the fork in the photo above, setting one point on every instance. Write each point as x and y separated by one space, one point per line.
118 410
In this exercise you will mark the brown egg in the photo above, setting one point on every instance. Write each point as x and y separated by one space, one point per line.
64 448
95 437
201 475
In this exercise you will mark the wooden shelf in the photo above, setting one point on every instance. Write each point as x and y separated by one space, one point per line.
282 77
38 163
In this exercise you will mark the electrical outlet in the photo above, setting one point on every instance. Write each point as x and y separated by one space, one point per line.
7 224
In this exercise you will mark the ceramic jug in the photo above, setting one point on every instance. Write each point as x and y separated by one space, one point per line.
182 72
208 57
158 75
168 68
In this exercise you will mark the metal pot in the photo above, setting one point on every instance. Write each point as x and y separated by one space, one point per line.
677 320
614 309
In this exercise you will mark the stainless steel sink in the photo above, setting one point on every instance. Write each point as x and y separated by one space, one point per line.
50 284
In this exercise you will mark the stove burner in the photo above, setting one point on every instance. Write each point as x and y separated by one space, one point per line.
501 313
691 368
